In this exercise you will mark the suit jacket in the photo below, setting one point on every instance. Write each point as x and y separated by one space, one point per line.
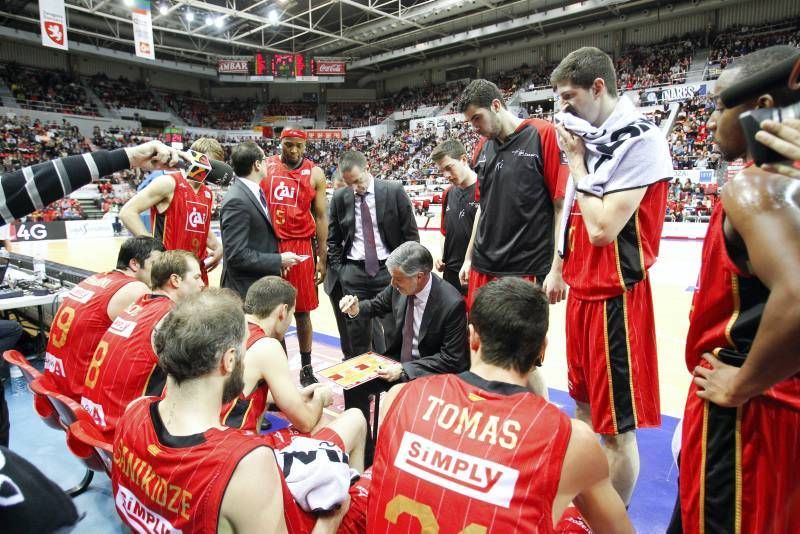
396 222
442 337
249 245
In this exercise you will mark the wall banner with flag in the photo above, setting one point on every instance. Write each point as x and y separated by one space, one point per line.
143 29
53 21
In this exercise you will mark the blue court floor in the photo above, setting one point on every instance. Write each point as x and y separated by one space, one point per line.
650 509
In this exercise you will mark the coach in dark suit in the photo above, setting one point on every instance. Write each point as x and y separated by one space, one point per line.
429 314
368 220
249 245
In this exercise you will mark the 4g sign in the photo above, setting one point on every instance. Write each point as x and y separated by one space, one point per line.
37 231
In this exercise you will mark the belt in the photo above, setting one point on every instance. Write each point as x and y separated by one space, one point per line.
362 263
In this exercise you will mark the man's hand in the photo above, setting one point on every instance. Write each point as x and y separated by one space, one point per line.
152 155
289 260
571 144
439 265
784 138
717 384
391 373
554 286
322 265
463 274
349 305
213 257
325 394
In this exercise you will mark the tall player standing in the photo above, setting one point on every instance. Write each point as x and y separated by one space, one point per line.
295 191
180 212
613 234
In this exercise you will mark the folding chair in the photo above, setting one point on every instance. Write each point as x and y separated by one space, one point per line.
43 407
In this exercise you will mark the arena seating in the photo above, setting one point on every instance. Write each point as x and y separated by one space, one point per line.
47 90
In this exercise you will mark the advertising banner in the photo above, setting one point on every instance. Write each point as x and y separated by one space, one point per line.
143 29
330 68
53 21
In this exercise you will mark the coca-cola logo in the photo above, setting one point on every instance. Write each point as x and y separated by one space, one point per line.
337 67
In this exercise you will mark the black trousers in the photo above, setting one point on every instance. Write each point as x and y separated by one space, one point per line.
10 332
451 277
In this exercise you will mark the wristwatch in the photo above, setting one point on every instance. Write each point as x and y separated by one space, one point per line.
403 376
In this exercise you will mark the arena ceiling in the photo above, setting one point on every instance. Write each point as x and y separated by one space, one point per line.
374 34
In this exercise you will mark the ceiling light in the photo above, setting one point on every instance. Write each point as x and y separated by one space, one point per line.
209 20
272 16
189 16
163 9
219 22
128 3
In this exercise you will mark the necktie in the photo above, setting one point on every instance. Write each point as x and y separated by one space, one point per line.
370 252
408 331
262 198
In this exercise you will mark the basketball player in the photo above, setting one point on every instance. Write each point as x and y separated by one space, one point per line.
88 310
520 189
295 191
125 366
180 211
613 237
268 307
478 451
176 468
459 207
741 427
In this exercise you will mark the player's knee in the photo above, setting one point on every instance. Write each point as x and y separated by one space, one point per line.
355 420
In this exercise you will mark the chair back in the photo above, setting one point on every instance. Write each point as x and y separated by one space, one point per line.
44 408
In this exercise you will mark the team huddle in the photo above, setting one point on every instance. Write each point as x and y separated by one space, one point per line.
179 376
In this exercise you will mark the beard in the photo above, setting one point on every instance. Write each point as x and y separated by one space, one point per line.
234 384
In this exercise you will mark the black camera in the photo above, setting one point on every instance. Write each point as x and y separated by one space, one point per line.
787 74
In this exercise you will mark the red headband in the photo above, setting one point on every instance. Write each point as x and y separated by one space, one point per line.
288 132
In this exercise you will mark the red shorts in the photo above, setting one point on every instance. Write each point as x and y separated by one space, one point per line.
572 522
611 359
478 280
737 467
301 276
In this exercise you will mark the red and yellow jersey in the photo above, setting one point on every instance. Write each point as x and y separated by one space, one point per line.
77 327
246 412
726 311
290 194
124 365
185 224
457 453
166 483
599 273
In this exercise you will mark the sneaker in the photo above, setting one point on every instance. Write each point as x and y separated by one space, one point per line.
307 376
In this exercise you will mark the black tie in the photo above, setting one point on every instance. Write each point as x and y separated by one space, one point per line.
370 251
262 198
408 331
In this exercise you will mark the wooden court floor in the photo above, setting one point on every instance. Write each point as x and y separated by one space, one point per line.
673 278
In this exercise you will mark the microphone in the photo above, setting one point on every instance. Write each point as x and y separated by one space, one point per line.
201 168
787 72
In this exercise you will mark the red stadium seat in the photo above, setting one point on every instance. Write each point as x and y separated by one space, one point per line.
41 403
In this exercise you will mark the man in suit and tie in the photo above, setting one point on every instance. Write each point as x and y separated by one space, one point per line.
430 317
368 220
250 248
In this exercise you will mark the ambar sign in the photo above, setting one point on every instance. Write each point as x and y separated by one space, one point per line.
232 66
330 68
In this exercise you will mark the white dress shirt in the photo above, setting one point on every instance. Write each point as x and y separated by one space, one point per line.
357 250
254 189
420 300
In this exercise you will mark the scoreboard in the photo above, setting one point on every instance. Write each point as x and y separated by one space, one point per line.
282 65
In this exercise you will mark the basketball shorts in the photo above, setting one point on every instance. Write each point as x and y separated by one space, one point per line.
611 359
477 280
301 276
737 467
572 522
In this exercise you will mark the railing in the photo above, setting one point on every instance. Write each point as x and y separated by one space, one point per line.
56 107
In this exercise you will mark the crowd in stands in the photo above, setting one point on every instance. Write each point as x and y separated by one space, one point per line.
291 109
693 202
66 209
643 66
689 141
47 90
739 40
358 114
233 114
24 142
123 93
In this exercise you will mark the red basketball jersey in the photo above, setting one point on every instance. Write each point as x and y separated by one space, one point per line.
125 366
246 412
726 311
459 453
77 327
165 483
597 273
290 194
184 225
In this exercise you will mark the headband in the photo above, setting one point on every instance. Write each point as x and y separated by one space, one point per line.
288 132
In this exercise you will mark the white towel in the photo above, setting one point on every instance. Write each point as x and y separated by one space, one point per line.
626 152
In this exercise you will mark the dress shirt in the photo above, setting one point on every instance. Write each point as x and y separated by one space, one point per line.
420 300
357 250
254 189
